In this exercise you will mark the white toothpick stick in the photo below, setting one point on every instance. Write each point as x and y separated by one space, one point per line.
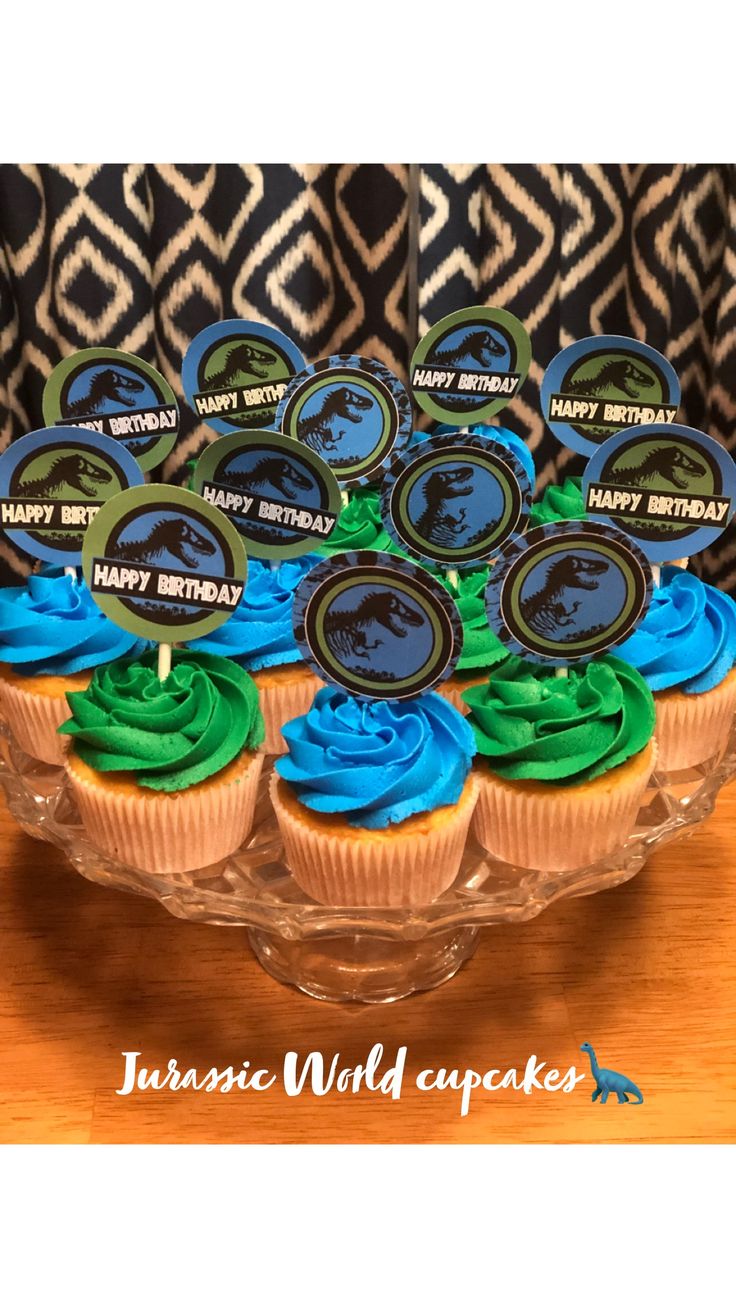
274 564
164 661
71 572
453 578
345 497
656 573
561 670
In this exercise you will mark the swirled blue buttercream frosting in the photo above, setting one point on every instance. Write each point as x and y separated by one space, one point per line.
376 762
687 639
259 633
52 627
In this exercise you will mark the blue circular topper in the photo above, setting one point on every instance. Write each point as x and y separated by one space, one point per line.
603 384
52 483
672 488
568 591
235 373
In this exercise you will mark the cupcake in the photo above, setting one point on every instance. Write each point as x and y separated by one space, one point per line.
52 635
259 636
359 526
482 650
563 762
559 503
374 798
165 774
685 649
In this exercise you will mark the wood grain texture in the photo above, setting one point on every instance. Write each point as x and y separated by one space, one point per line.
646 972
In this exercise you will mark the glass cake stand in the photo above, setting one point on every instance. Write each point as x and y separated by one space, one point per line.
370 955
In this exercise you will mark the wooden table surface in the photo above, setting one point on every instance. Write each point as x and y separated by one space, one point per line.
646 973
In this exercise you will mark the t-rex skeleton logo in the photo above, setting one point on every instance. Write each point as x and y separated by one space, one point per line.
174 536
324 429
620 375
271 471
668 463
69 475
437 523
544 612
107 387
346 630
242 361
479 345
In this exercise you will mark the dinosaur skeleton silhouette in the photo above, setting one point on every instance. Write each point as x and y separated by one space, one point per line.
241 360
608 1082
670 463
544 611
325 428
272 471
618 375
172 536
69 474
437 523
107 386
346 631
478 344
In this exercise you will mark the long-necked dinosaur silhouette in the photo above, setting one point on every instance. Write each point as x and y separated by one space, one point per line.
272 471
437 523
478 344
608 1082
69 474
241 361
107 386
323 430
346 629
618 375
544 610
172 536
670 463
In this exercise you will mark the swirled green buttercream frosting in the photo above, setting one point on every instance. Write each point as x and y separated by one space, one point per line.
481 647
531 725
559 503
171 734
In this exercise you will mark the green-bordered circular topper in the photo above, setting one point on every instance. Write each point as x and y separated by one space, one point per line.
281 496
671 488
603 384
378 626
568 591
52 483
470 365
351 411
118 395
455 501
235 372
164 564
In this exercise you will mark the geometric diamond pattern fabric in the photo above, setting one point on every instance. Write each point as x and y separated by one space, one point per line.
142 257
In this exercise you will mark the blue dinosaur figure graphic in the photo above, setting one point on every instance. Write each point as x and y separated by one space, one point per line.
608 1082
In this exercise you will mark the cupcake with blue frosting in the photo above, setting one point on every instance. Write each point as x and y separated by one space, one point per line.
685 649
52 637
259 636
374 798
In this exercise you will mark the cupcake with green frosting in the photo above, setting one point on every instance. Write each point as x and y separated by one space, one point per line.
165 774
563 761
482 650
559 504
359 526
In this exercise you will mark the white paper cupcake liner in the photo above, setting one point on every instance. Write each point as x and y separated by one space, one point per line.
164 833
280 702
33 720
556 828
693 728
404 866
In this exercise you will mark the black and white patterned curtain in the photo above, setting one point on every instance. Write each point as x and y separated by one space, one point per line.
363 258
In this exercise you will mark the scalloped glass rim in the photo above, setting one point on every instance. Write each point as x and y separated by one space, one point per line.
253 887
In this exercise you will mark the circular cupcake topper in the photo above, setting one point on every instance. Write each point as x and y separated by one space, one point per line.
164 564
455 500
672 488
378 626
235 372
118 395
52 483
568 591
352 412
470 364
282 497
603 384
